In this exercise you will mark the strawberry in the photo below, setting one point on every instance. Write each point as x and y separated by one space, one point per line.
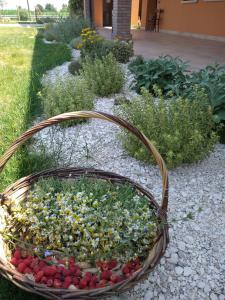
83 283
36 269
66 272
112 264
17 254
38 276
60 269
78 272
24 253
42 264
72 269
71 261
27 261
104 266
68 279
34 262
57 284
106 275
28 270
44 279
14 261
75 281
125 270
94 279
21 267
49 282
58 276
92 285
50 271
61 262
65 285
114 278
88 276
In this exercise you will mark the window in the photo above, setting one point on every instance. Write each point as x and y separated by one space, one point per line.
189 1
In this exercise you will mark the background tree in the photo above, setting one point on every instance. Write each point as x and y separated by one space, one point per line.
76 7
39 8
50 7
64 9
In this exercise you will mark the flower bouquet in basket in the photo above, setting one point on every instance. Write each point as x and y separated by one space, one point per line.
69 233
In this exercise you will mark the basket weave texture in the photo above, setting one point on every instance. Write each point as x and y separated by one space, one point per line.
18 191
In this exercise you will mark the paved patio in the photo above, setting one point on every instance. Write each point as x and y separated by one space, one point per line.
198 52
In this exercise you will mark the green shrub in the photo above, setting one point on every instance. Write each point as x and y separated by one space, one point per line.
122 51
65 96
181 129
104 76
75 43
212 79
95 46
75 67
166 72
66 29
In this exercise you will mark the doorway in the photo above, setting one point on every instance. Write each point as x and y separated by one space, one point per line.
151 15
107 12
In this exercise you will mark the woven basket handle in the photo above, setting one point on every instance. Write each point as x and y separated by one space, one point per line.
99 115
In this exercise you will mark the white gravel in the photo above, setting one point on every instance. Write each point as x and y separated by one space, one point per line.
193 267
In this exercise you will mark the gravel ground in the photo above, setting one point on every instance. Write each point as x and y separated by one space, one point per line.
193 267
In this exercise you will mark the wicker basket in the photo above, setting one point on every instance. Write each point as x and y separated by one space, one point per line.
19 189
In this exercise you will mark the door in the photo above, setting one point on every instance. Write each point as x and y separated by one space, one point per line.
107 12
151 17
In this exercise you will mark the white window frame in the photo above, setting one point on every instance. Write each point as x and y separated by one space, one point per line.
189 1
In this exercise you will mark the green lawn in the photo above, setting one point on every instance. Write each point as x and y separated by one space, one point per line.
23 60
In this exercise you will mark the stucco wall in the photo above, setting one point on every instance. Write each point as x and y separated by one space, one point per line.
203 17
134 12
98 12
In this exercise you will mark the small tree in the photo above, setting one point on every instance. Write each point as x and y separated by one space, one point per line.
76 7
50 7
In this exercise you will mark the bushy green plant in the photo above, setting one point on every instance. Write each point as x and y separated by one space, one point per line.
181 129
66 29
165 72
95 46
104 76
212 79
75 67
90 220
76 42
72 94
122 51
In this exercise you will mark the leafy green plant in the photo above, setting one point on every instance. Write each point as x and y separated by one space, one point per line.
89 219
122 50
65 29
212 79
181 129
65 96
104 76
166 72
75 67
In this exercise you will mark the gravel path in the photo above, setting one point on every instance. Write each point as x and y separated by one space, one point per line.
193 267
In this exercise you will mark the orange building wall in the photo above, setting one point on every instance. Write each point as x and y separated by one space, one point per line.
207 18
98 12
134 12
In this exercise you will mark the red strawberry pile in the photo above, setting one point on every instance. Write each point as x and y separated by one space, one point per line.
59 273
